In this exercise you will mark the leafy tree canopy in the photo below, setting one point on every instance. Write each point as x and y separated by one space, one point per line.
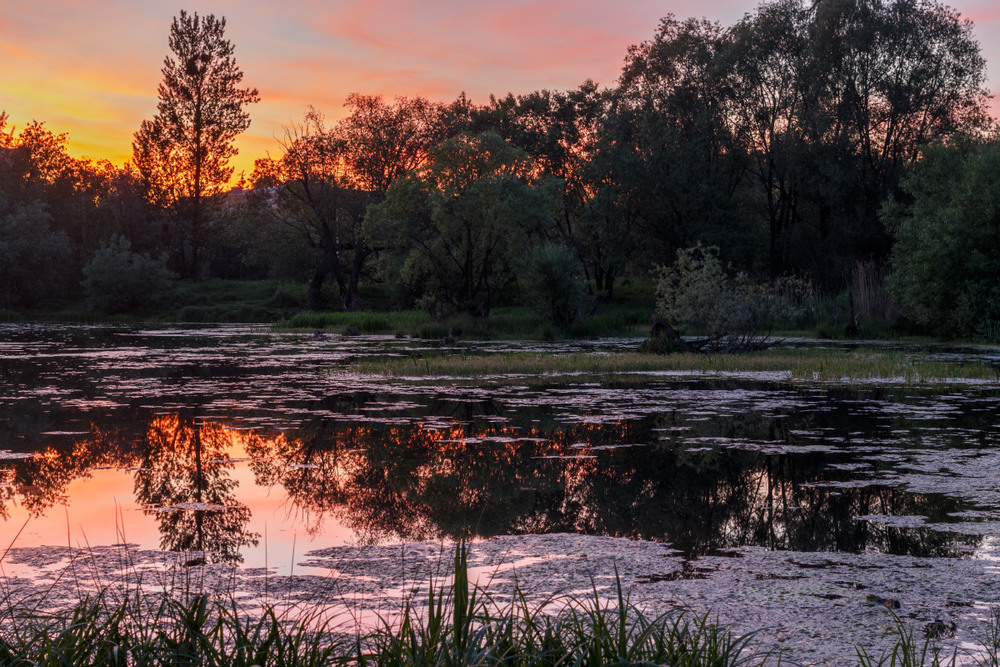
454 228
946 258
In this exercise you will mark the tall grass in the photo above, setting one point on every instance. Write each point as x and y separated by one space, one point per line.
365 321
872 299
808 365
455 625
907 651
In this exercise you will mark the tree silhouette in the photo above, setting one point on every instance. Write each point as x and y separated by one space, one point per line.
183 153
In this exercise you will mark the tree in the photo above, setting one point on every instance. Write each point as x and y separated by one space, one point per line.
384 141
327 177
312 199
668 165
550 284
33 256
946 258
37 178
454 229
183 153
560 132
832 100
763 65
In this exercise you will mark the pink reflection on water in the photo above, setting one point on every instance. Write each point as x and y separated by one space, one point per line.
100 509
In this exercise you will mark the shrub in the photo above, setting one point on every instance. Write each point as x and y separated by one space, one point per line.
733 314
118 280
946 259
551 284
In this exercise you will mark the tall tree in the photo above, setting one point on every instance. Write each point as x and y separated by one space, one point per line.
764 65
668 162
832 100
384 141
560 132
898 74
183 152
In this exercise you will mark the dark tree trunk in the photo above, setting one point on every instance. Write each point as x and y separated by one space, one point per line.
314 296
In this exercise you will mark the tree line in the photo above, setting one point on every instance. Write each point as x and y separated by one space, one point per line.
796 142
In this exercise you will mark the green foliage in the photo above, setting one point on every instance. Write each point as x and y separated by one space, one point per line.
551 284
732 313
33 257
118 280
454 229
946 259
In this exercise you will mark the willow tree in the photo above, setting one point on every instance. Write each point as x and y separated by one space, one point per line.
183 153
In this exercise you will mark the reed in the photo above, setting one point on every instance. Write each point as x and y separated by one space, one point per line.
455 624
907 651
828 365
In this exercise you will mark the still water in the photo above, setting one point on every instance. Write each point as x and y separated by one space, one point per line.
257 450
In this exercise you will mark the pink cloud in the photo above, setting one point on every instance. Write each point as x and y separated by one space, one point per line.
91 69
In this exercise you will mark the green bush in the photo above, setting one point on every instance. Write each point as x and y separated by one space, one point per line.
551 284
946 259
118 280
733 313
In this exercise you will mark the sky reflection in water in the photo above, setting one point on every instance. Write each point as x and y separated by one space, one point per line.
250 446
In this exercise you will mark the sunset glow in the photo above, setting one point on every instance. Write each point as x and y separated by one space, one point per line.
92 71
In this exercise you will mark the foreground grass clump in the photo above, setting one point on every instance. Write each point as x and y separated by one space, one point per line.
455 625
196 632
811 364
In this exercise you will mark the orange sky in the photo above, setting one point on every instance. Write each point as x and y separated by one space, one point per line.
91 69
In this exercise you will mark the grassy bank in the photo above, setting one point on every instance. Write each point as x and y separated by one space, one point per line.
454 625
284 305
813 364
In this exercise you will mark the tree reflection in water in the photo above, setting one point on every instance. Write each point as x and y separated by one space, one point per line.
422 481
179 466
475 475
183 479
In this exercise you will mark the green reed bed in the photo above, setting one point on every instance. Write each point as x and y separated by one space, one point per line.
816 364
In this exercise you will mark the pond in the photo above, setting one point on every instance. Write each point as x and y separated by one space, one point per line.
256 459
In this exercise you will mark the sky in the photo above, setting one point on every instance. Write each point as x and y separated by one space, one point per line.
91 69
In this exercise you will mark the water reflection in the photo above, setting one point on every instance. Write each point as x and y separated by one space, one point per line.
202 425
644 479
184 479
181 471
423 481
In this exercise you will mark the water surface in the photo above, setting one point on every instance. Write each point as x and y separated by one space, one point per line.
242 447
